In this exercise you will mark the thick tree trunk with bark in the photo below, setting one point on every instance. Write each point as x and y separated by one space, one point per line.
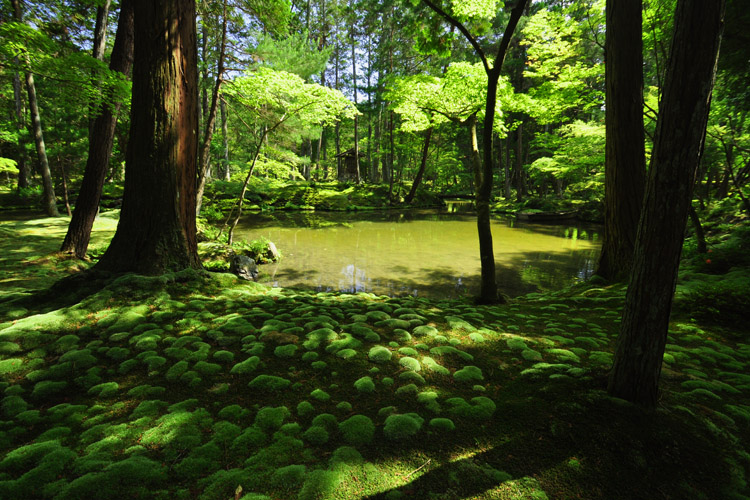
625 158
678 145
418 179
100 144
157 232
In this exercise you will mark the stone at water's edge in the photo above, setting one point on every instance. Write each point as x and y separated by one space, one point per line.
244 267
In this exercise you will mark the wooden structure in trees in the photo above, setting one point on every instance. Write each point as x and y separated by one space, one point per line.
347 165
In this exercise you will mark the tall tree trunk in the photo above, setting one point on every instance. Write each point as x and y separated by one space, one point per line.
50 201
204 154
223 107
678 145
418 179
23 167
356 117
100 144
520 179
700 235
100 43
50 204
157 231
625 159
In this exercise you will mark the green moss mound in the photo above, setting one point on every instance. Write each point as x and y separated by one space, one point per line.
357 430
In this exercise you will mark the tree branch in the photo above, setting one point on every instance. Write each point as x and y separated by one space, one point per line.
454 22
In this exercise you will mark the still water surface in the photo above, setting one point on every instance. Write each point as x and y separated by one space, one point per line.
422 253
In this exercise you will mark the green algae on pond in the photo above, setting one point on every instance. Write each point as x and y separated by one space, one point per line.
421 253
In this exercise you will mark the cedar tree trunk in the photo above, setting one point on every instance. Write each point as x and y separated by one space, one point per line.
157 231
625 157
678 145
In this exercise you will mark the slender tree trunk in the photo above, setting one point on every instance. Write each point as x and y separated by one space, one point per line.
520 179
50 201
204 153
23 167
157 231
225 139
50 204
100 43
423 164
700 235
678 145
625 161
356 117
100 144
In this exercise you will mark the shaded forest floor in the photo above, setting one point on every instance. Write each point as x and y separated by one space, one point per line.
192 384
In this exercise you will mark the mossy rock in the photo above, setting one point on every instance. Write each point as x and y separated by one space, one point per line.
327 421
407 390
434 366
515 344
411 376
223 356
289 477
11 366
531 355
47 389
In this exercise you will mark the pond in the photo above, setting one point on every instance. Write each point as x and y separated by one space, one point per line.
417 252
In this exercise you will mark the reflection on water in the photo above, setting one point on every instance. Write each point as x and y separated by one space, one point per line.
418 252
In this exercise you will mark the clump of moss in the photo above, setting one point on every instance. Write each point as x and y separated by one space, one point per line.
410 363
402 426
410 376
304 408
285 351
316 435
379 354
327 421
365 385
320 395
448 350
423 330
289 477
47 388
434 366
269 383
222 356
480 408
271 418
468 374
442 424
344 407
247 366
357 430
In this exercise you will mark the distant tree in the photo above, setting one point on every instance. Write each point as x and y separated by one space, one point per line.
156 232
50 201
100 140
456 14
625 156
678 145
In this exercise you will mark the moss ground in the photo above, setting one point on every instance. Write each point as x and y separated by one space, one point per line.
193 384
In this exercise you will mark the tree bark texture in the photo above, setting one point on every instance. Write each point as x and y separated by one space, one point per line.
422 166
678 145
625 157
100 144
157 231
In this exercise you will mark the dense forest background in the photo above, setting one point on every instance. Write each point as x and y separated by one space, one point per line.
386 60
